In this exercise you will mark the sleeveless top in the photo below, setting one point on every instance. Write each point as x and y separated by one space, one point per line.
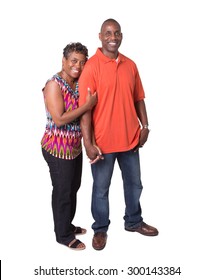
65 141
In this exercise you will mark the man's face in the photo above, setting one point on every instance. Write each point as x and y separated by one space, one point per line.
111 38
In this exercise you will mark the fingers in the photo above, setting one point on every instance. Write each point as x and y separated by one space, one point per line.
99 151
99 157
136 149
89 90
92 161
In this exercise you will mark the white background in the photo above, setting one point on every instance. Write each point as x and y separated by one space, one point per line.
172 44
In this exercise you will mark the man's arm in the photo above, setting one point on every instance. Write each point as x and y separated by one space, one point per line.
140 108
93 152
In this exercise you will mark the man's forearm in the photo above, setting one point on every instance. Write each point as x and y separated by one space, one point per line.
86 128
141 112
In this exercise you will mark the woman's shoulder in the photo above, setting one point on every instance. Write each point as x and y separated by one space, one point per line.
54 81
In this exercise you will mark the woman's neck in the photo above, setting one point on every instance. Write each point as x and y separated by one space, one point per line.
69 80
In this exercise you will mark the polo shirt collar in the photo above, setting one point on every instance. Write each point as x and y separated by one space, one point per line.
107 59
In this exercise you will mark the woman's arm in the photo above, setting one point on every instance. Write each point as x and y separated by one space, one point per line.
55 104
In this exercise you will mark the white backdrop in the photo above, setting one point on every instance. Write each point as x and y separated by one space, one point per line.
172 44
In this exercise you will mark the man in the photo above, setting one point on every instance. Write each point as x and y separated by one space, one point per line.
115 129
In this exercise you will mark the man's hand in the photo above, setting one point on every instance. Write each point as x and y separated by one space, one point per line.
144 133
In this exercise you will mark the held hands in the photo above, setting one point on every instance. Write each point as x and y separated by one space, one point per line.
98 157
91 99
144 133
94 154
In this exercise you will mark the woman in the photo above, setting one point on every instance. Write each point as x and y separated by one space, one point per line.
61 142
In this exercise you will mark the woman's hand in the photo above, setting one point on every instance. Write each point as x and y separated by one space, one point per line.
91 99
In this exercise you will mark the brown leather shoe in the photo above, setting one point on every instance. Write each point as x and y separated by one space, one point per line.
99 240
144 229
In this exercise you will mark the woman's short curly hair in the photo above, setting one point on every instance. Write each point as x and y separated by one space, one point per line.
75 47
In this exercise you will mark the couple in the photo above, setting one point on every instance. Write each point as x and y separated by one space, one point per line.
105 106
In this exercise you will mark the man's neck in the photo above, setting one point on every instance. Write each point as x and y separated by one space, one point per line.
110 55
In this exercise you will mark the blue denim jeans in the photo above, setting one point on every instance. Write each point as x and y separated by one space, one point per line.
102 171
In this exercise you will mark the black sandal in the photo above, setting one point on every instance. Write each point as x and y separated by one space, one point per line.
74 244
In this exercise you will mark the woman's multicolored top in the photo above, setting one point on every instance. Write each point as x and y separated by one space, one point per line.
65 141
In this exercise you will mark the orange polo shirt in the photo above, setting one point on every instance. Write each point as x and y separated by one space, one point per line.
118 86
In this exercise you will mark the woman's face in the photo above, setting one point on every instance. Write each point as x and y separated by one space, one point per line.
74 64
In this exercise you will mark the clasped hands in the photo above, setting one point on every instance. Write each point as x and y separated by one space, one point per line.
94 154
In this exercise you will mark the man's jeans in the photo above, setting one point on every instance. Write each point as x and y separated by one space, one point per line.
102 171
